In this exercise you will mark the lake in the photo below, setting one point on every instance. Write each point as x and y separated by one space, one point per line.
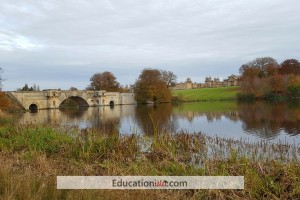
269 121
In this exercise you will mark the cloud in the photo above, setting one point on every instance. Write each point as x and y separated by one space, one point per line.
9 42
199 38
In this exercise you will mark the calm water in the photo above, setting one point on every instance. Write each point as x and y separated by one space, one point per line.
276 122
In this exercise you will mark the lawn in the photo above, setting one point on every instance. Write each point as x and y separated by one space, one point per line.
208 94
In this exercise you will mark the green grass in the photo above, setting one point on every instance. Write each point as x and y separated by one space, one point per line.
207 94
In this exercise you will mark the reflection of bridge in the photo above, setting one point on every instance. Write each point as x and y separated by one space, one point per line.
33 100
87 116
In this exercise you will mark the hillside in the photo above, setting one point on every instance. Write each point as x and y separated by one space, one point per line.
207 94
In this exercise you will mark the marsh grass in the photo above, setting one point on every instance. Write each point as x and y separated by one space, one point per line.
33 155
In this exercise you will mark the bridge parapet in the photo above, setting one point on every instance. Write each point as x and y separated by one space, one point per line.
53 93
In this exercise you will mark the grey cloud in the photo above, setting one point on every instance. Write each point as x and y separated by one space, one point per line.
191 38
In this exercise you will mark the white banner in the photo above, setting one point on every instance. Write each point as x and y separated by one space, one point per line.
150 182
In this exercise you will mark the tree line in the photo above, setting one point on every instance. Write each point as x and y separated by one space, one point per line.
264 78
152 85
27 88
261 78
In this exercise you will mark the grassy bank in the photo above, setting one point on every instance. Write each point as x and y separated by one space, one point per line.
33 155
207 94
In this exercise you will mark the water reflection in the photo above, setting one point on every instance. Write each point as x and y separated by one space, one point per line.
155 118
268 120
103 119
257 120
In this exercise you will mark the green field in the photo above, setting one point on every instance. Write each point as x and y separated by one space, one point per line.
207 94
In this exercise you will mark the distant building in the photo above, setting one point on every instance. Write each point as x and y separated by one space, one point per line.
232 80
209 82
187 85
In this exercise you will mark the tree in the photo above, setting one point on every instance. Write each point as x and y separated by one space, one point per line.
150 86
73 88
36 87
290 66
294 85
169 77
104 81
249 71
25 88
264 78
265 66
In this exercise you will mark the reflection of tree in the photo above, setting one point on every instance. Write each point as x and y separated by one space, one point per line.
106 119
232 115
212 116
267 119
159 116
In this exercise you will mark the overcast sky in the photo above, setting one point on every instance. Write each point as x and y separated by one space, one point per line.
59 44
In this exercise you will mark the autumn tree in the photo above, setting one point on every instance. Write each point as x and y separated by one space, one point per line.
294 85
290 66
261 67
150 86
249 71
104 81
264 78
169 78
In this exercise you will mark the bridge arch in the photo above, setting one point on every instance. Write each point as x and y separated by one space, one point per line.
33 107
111 103
74 101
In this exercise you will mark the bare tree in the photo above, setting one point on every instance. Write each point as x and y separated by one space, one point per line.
290 66
169 78
264 65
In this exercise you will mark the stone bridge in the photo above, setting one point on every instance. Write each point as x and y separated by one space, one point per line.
46 99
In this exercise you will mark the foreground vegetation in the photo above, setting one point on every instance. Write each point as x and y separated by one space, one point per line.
206 94
33 155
